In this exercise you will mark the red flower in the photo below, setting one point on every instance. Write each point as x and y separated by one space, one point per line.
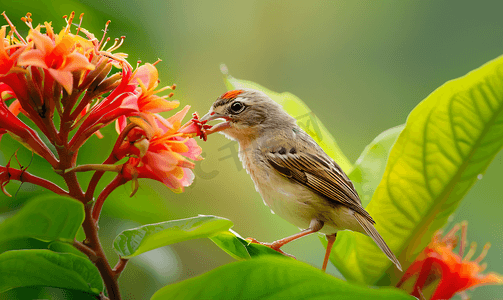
121 102
456 274
8 53
57 54
145 80
160 151
24 134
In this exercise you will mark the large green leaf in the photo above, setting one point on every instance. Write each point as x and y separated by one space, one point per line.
45 293
47 218
366 175
306 119
448 141
65 248
369 167
133 242
271 278
22 243
19 268
239 248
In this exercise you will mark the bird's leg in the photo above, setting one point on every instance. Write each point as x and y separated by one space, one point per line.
314 226
331 240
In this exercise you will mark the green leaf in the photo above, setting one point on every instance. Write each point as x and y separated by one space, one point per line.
271 278
46 218
22 243
46 293
20 268
369 167
448 141
133 242
306 119
65 248
239 248
366 175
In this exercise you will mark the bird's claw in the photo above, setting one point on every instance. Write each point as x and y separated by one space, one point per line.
269 245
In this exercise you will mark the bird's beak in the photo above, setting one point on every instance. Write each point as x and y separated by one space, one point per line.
210 116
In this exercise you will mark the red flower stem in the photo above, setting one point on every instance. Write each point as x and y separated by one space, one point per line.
77 141
23 176
68 104
116 182
88 97
39 147
94 182
110 160
95 167
50 130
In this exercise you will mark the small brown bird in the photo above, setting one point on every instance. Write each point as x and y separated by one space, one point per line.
294 176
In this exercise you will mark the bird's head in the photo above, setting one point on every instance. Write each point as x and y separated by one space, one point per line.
246 113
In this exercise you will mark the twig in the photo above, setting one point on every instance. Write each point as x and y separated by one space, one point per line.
116 182
119 267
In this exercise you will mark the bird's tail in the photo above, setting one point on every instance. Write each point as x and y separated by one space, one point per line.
372 232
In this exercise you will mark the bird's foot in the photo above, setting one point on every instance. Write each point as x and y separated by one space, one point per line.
270 245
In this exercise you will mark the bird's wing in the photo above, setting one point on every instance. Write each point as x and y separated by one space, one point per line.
322 176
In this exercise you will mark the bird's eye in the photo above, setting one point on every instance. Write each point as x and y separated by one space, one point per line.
237 107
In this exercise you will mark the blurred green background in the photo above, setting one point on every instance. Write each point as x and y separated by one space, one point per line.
361 66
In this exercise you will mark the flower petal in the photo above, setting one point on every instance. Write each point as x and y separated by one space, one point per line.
64 78
42 42
33 57
159 105
76 61
148 75
176 119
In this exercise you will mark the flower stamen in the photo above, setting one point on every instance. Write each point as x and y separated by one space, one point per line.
483 253
69 22
104 34
13 28
80 23
471 252
106 41
116 46
462 245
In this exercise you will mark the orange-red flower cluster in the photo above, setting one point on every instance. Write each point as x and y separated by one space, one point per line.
160 150
69 74
453 272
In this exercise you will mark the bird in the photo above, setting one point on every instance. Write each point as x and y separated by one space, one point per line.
297 180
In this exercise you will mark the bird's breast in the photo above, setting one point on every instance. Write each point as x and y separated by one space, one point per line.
293 201
287 199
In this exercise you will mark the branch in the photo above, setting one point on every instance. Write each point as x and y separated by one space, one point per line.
86 250
110 160
119 267
93 242
23 176
116 182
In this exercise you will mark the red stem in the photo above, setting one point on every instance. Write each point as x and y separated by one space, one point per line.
23 176
93 242
116 182
110 160
88 97
92 245
119 267
86 250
